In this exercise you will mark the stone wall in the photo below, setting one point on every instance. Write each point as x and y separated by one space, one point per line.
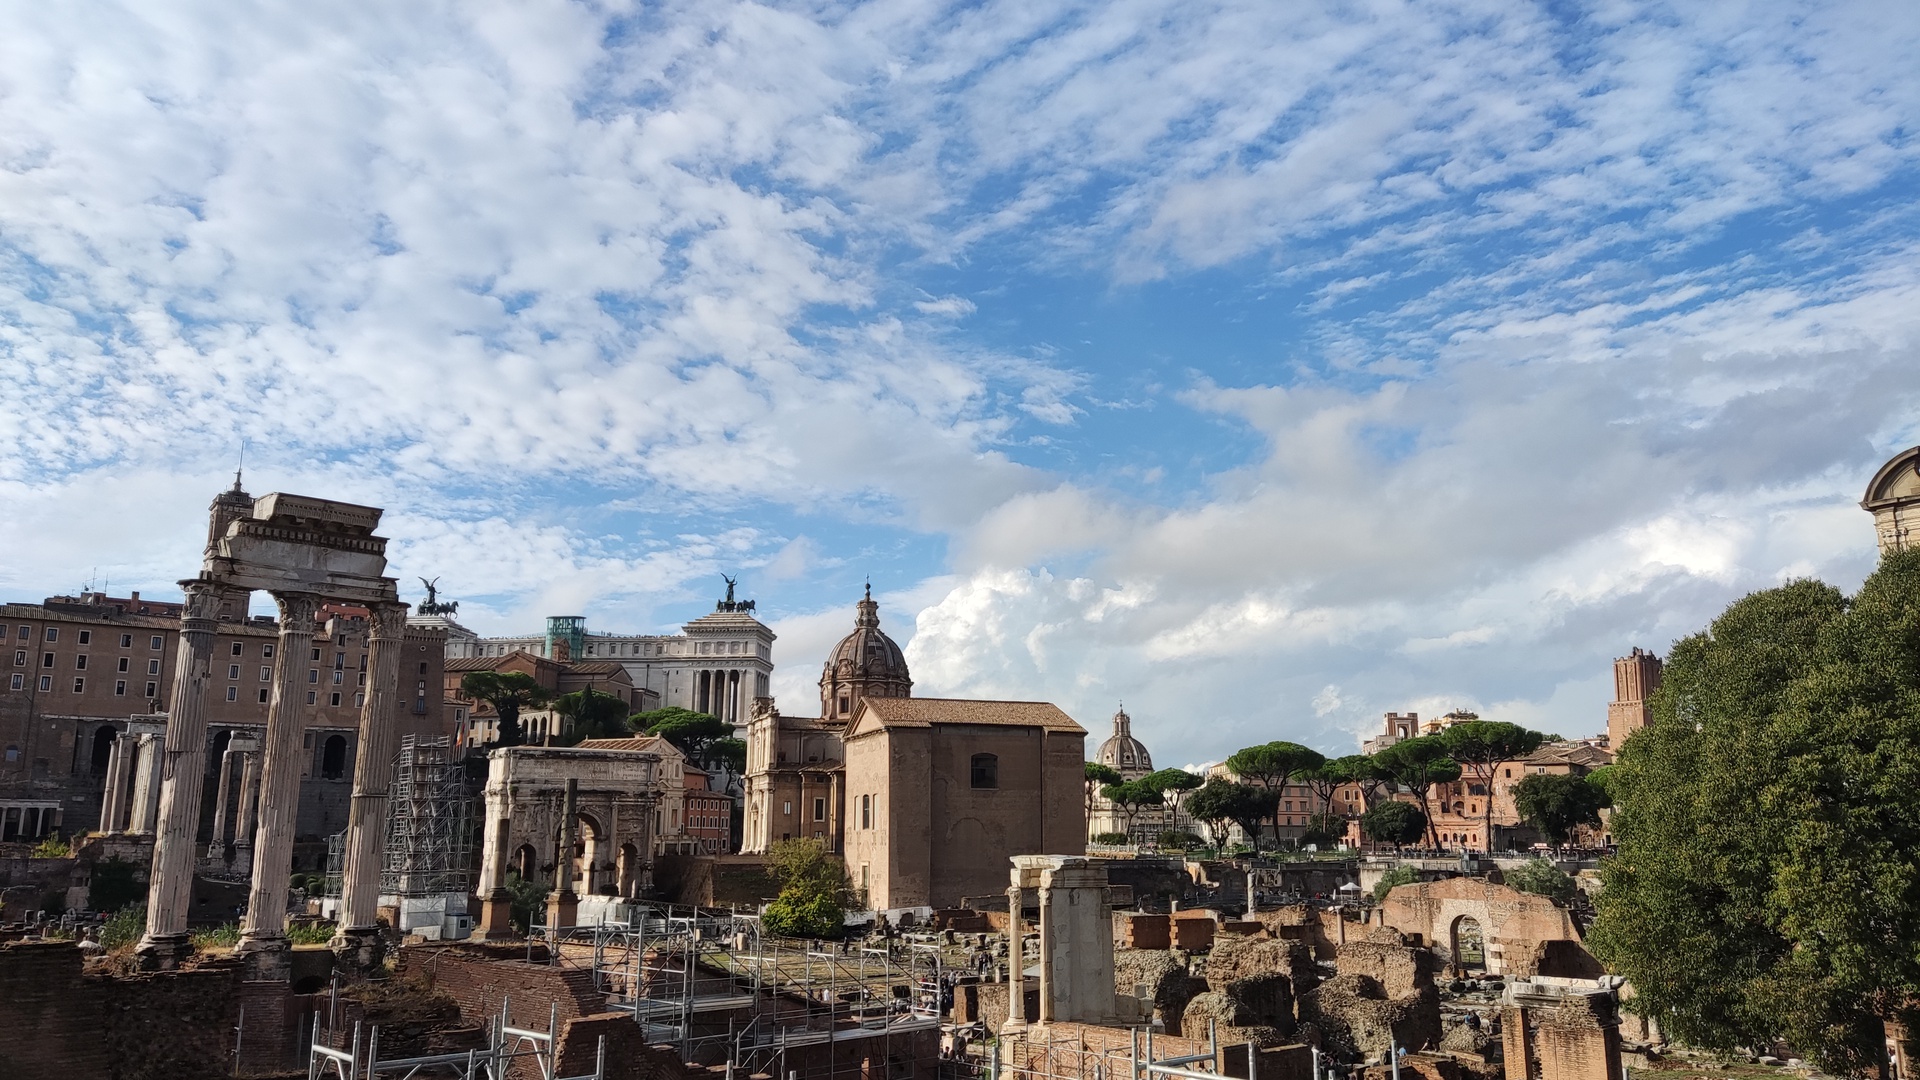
1512 923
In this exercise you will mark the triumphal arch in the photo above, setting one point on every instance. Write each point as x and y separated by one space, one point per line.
302 551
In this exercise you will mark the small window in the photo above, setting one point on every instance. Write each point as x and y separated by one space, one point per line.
126 641
236 648
819 809
79 686
153 667
26 632
313 675
786 807
986 771
312 697
266 651
334 700
266 673
233 671
20 658
155 643
866 811
80 662
316 656
46 659
46 682
126 664
120 688
233 693
86 637
152 689
19 682
53 633
263 695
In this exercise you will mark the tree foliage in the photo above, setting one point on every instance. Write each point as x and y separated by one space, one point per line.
508 692
1767 882
1541 878
1418 764
1486 745
813 890
1221 804
1394 822
1131 797
1558 803
593 715
1274 765
1399 875
1099 776
706 740
1173 785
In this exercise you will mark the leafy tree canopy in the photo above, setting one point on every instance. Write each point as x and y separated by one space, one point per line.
1558 803
1172 780
1541 878
1100 776
1394 822
508 692
1768 881
594 715
813 890
1222 804
1399 875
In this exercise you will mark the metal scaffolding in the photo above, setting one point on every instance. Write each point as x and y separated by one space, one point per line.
506 1044
429 823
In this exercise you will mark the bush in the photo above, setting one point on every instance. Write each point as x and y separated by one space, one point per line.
310 933
221 937
1542 878
1119 838
1399 875
124 927
799 916
114 885
53 847
1174 840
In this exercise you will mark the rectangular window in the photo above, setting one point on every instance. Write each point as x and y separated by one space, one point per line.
336 677
126 641
316 656
363 679
359 700
152 689
26 632
312 697
120 688
86 637
335 701
19 682
80 662
266 651
79 686
233 671
53 633
266 673
339 660
46 659
46 682
20 658
233 693
153 667
313 675
819 809
263 695
125 663
236 648
786 807
155 643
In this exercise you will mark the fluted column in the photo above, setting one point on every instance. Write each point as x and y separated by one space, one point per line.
1016 963
113 802
372 777
264 929
170 879
246 820
146 785
222 799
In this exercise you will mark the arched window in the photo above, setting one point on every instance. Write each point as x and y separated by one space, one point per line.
986 771
333 758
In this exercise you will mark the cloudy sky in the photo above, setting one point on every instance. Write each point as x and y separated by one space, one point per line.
1267 366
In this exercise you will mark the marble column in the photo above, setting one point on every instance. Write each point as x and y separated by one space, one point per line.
113 802
263 932
249 750
358 940
146 784
563 905
222 801
170 887
1016 960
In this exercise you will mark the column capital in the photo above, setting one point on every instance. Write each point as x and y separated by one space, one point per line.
297 611
388 622
203 600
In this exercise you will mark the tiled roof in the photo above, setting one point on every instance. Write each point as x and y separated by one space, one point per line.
596 667
651 744
1570 753
925 712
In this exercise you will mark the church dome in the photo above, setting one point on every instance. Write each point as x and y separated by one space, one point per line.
1123 752
866 663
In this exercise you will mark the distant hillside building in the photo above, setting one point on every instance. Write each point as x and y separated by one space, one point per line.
1635 677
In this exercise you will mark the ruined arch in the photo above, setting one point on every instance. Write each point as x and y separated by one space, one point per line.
1467 945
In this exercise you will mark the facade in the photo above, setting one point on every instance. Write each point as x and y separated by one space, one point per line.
481 724
718 665
941 792
1130 758
689 812
1893 498
709 814
1635 677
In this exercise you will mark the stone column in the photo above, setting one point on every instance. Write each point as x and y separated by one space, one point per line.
1016 963
146 788
246 819
170 886
222 799
563 906
358 940
113 802
263 932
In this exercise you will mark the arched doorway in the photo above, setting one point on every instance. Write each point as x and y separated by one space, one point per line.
333 758
1469 946
103 749
525 864
589 857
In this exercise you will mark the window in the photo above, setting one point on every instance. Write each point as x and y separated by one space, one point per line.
866 811
120 688
86 637
20 658
79 686
339 660
312 697
152 689
313 675
126 641
233 693
333 758
1509 773
46 659
153 667
46 682
359 700
124 664
236 648
266 673
786 807
819 809
263 695
26 632
335 700
19 682
155 643
53 633
316 656
266 651
986 771
336 676
233 671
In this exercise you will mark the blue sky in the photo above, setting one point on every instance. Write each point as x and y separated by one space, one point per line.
1266 367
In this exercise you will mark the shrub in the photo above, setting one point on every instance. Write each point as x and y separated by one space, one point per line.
310 933
124 927
1399 875
53 847
800 916
1111 838
114 885
1174 840
1542 878
220 937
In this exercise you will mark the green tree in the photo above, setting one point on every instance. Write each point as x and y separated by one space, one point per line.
1173 785
1558 803
1541 878
1099 776
1221 804
1394 822
1418 764
1487 745
1131 797
113 884
508 692
1274 765
1767 883
1399 875
593 715
706 740
1365 772
813 890
728 757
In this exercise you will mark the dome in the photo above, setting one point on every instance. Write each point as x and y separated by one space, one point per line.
866 663
1122 751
